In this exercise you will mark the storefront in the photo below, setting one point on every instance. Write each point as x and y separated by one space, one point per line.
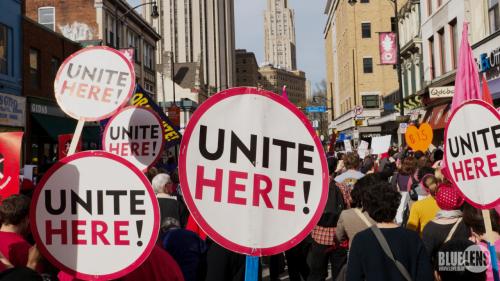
487 55
12 113
45 122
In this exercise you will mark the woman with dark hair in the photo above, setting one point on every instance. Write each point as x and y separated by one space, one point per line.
368 165
405 176
386 251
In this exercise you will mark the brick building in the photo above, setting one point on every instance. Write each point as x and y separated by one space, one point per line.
42 53
102 22
247 69
273 79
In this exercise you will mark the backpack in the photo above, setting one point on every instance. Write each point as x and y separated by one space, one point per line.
334 206
413 184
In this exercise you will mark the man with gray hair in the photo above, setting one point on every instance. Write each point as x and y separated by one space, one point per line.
165 192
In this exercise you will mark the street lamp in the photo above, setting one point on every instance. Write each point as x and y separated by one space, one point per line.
154 15
398 60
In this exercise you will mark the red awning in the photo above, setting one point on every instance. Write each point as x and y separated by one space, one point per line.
438 116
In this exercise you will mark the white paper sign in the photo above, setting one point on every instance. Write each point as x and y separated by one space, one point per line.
381 144
253 172
95 215
135 134
363 149
94 83
347 145
472 153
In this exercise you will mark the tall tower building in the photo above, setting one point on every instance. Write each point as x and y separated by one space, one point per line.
279 32
200 31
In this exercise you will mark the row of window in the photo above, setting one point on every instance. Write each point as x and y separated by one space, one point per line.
34 64
443 47
368 101
4 39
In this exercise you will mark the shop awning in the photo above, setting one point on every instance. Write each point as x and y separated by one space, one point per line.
438 116
55 126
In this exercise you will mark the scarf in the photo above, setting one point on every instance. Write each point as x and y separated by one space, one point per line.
452 214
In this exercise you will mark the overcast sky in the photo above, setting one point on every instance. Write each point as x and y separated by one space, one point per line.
309 25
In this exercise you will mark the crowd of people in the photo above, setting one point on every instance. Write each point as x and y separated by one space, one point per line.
392 217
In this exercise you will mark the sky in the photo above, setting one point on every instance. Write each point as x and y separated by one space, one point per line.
309 25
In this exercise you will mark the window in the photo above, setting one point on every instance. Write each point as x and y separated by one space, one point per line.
370 101
148 56
364 1
442 52
366 30
110 33
367 65
47 17
429 7
54 66
454 42
431 57
35 68
493 15
4 36
393 24
133 42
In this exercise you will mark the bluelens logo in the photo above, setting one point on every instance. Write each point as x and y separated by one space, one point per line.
474 259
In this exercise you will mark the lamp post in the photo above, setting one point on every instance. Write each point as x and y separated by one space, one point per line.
398 57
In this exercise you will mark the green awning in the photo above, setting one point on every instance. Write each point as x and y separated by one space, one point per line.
55 126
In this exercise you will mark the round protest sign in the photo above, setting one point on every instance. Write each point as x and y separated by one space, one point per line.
93 83
94 215
253 172
136 134
472 151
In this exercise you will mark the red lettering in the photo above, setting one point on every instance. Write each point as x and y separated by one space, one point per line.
106 95
50 231
99 229
82 87
479 164
259 192
233 187
75 232
458 171
121 232
492 164
94 90
145 148
284 194
65 87
113 149
201 182
468 169
134 148
124 150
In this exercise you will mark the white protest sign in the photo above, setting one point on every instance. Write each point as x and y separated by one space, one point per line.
253 172
347 146
381 144
94 215
136 134
472 153
94 83
363 149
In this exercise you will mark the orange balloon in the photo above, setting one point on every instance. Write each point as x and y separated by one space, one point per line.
419 139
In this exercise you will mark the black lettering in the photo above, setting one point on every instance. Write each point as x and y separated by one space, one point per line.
265 153
303 159
155 130
75 198
48 202
111 73
100 202
111 130
283 155
134 202
485 139
250 153
86 72
74 74
496 135
466 144
144 130
203 144
127 132
116 197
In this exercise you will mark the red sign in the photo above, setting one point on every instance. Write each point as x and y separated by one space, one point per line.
388 49
64 143
174 114
10 152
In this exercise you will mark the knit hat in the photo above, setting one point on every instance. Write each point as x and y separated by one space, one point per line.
448 197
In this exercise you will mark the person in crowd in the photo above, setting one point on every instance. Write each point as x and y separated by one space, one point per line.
387 164
224 265
405 176
183 209
473 219
370 249
165 192
450 249
424 210
151 173
368 165
14 215
25 273
323 247
448 222
437 158
350 221
186 247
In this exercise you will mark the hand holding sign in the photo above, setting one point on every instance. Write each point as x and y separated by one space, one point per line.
254 187
472 151
95 215
419 139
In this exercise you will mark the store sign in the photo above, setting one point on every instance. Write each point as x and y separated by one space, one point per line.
488 62
12 110
442 92
46 110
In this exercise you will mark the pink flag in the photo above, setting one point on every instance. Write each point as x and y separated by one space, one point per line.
283 92
467 79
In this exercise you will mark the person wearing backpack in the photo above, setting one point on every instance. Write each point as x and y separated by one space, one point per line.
323 248
387 251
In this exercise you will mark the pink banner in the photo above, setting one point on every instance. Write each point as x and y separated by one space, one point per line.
388 50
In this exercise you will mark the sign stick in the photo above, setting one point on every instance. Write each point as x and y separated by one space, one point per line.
76 137
251 268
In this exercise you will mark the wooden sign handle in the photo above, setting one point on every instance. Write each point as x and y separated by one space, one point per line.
488 227
76 137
